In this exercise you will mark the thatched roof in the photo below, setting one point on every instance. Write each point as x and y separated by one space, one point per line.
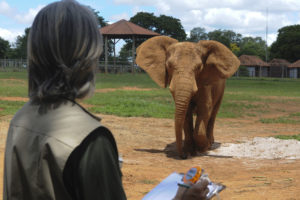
125 30
247 60
295 64
279 62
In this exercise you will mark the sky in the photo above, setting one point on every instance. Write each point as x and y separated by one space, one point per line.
248 17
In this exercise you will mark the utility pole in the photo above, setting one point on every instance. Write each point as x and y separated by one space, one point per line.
266 48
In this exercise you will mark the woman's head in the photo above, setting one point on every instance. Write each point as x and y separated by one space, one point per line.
64 45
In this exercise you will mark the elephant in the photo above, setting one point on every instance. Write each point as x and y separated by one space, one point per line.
196 74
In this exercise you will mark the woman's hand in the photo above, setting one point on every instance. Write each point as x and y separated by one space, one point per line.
197 191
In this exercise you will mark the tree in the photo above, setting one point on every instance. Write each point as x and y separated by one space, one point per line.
170 26
197 34
99 18
253 46
164 25
19 49
4 48
226 37
287 45
145 20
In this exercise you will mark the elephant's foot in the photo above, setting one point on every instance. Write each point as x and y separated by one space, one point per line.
201 142
189 148
183 156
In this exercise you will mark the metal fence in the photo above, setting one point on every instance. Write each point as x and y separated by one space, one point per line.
13 64
112 67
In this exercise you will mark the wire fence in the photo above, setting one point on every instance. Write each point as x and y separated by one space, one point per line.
112 67
127 67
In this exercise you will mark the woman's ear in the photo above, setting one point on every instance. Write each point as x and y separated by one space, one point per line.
215 54
151 56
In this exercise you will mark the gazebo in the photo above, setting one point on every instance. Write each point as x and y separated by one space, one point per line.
124 30
294 70
278 67
255 66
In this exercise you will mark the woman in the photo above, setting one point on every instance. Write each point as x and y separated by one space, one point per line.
55 148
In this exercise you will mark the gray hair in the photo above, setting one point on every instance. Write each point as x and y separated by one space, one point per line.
64 46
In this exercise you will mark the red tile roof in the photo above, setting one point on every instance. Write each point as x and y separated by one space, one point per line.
279 62
125 29
295 64
247 60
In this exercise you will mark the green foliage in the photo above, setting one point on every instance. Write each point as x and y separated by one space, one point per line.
226 37
164 25
100 19
287 45
4 47
20 47
253 46
198 34
288 137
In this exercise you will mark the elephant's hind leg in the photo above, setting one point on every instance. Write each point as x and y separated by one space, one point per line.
211 122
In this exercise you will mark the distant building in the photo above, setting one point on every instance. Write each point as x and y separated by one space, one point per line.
294 69
255 66
279 68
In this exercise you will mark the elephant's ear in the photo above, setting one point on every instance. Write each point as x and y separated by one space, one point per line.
215 54
151 56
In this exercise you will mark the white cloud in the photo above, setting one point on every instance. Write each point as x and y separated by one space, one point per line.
247 17
28 17
115 18
5 9
9 34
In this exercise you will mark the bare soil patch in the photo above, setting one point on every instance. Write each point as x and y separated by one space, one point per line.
23 99
148 150
15 80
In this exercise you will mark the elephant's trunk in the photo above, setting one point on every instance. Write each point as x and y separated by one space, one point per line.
182 94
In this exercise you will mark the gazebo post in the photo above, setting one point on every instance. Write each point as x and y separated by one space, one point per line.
133 55
106 52
114 54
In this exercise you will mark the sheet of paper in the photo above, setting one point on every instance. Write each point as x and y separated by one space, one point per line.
165 190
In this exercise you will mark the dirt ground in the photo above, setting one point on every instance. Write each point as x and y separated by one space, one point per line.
148 150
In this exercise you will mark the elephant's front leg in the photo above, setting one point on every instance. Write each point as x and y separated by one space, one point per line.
189 144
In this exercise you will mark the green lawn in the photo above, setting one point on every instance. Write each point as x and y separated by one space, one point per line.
243 97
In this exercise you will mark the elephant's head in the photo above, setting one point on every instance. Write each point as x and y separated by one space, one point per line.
180 65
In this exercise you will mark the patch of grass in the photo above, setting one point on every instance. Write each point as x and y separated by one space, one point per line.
292 118
264 86
13 87
243 96
279 120
14 75
230 109
10 107
295 114
124 80
288 137
156 103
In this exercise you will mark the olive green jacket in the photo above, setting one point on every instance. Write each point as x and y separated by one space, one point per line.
38 145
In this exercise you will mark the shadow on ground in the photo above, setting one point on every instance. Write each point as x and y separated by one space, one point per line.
171 152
